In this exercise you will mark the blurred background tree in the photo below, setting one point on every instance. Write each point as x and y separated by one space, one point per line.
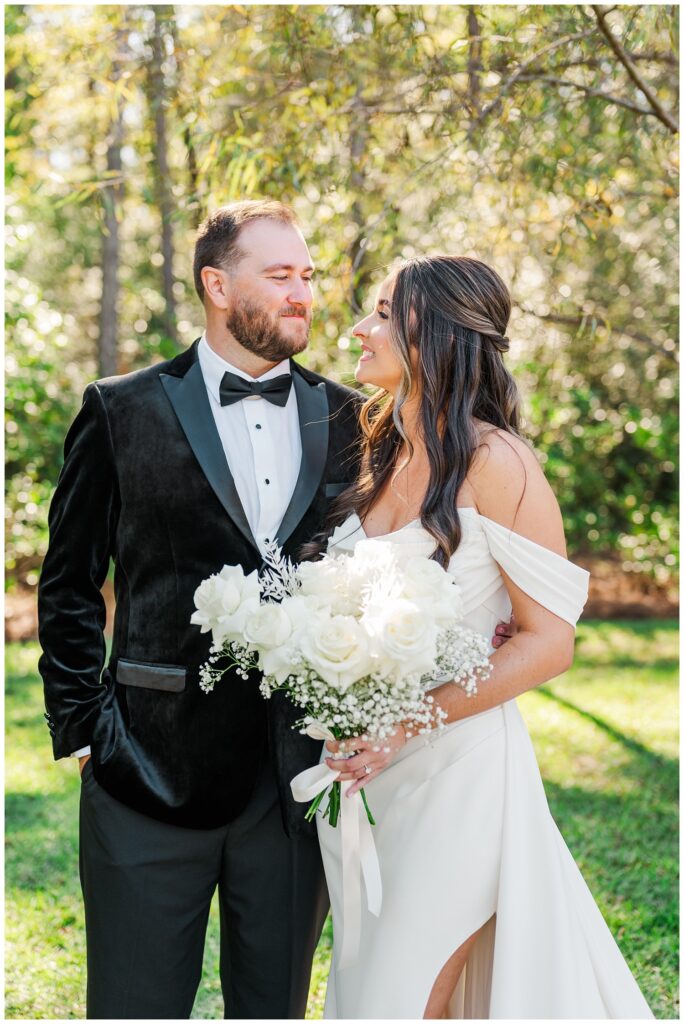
542 139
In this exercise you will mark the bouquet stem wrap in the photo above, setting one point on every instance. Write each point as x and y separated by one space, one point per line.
359 856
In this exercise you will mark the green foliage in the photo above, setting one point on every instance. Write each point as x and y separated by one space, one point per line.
508 132
47 380
605 734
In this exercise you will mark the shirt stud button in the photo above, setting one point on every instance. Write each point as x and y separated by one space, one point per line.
267 481
258 426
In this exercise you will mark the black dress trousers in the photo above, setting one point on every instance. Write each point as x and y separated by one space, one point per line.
147 888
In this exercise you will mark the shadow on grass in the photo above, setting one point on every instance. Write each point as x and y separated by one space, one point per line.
645 628
41 841
31 722
625 661
666 768
24 810
627 645
20 684
627 852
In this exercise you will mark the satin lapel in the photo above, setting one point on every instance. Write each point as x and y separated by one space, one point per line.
312 409
188 396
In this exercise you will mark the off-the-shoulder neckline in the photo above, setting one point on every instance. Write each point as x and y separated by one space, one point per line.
492 523
413 522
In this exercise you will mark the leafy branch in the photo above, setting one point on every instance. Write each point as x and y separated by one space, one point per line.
618 49
599 321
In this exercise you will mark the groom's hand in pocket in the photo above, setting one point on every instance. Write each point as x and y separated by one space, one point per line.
504 631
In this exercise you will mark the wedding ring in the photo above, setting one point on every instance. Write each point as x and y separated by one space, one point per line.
367 769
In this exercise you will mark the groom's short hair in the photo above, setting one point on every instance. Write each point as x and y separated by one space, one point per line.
217 238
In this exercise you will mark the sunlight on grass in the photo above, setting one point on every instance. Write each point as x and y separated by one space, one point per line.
606 738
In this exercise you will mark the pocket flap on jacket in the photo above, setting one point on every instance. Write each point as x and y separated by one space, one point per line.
151 677
332 490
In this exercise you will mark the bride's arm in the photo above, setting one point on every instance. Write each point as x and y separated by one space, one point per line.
510 489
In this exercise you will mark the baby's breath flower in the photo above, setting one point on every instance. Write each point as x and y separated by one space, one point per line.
391 689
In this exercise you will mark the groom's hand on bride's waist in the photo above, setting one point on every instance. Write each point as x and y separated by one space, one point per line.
503 632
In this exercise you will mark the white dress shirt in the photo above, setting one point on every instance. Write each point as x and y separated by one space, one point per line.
262 444
261 441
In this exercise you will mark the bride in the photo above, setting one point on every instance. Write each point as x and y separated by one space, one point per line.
485 914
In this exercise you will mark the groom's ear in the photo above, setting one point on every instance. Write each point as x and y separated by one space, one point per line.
216 286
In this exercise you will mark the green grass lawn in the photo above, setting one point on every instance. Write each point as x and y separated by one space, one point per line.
606 738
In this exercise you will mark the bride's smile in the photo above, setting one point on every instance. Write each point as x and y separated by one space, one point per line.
378 363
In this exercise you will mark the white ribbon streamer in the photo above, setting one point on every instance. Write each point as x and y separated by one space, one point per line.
359 856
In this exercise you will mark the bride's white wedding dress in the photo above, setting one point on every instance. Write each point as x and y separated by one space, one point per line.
464 837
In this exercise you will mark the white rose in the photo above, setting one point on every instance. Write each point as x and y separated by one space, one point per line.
232 627
234 575
404 634
427 584
336 647
269 626
299 608
224 600
331 584
213 599
279 661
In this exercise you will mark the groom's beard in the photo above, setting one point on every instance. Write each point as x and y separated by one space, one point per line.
263 335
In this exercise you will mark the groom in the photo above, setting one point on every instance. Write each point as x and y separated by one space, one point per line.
171 472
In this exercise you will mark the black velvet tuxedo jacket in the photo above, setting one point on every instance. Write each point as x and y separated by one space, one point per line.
145 482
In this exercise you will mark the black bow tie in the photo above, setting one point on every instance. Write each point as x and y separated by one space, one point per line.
234 389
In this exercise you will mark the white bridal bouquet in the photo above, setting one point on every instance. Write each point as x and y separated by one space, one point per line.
353 639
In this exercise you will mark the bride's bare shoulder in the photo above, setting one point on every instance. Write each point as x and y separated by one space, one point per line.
498 449
507 480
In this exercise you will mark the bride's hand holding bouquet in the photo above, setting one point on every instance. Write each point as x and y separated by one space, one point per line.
355 640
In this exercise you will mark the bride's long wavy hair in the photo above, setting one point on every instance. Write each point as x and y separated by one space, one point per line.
454 311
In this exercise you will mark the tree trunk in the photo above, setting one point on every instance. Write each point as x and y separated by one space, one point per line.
161 166
193 204
112 195
357 149
474 62
193 176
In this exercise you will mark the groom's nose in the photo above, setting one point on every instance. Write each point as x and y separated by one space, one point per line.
300 294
